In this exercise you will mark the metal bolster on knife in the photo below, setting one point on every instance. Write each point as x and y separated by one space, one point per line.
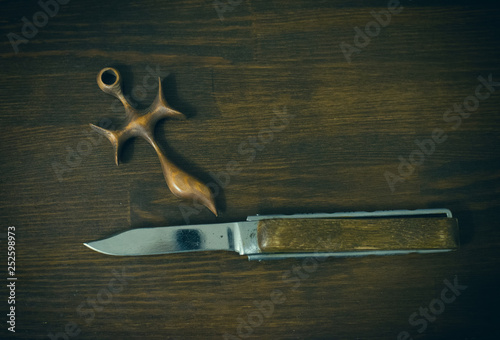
298 236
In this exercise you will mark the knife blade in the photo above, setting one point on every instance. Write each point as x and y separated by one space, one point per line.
297 236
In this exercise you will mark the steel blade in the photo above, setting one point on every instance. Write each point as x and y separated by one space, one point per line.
237 236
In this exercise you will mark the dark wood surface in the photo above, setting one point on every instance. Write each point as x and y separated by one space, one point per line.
342 129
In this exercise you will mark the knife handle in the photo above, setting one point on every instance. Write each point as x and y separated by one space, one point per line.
290 235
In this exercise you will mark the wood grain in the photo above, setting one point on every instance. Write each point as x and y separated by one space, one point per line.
352 235
337 128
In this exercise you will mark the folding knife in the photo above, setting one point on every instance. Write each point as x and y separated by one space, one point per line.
296 236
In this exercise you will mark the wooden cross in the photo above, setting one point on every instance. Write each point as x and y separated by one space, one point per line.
142 124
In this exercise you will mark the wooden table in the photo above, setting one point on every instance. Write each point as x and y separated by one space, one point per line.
293 106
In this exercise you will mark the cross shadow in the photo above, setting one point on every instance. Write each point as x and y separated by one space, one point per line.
173 99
